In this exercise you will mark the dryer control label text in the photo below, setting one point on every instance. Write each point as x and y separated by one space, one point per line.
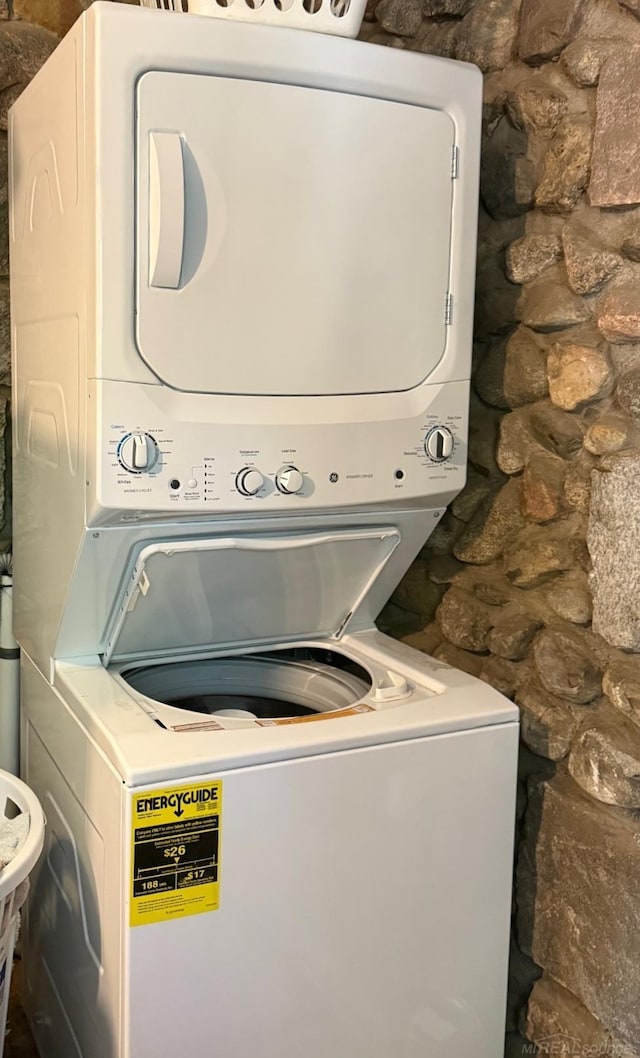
175 852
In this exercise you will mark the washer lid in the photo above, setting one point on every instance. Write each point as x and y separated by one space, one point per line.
191 596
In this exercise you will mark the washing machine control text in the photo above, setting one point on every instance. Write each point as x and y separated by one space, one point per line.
249 481
439 444
289 480
138 452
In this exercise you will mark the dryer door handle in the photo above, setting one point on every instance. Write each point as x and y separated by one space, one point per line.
166 209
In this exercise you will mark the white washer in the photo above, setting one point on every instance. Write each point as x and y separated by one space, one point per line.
271 830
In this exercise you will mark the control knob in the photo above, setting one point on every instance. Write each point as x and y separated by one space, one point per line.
249 481
439 444
138 452
289 480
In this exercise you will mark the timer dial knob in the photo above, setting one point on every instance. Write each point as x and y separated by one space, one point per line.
439 444
138 452
249 481
289 480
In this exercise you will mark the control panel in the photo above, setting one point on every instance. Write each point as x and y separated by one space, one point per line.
149 463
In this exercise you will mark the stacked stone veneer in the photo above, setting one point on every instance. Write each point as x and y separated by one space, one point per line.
532 580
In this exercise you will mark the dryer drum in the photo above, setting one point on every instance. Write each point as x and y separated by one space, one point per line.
264 687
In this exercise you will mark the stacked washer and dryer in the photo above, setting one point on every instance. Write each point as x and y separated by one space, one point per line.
242 285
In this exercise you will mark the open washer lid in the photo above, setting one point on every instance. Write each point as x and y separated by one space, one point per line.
191 596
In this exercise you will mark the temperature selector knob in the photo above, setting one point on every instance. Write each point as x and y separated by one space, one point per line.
439 444
249 481
289 480
138 452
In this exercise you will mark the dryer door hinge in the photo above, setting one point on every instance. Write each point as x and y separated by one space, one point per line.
448 309
455 162
345 620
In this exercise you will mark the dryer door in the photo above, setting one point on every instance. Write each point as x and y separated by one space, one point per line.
289 240
190 596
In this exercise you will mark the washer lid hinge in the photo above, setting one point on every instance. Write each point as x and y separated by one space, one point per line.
455 162
448 309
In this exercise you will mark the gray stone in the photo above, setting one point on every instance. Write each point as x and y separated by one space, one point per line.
493 590
436 38
536 107
532 254
445 534
630 247
441 569
495 524
579 373
507 183
489 376
514 440
545 28
607 434
495 301
577 484
548 724
525 369
537 555
467 502
542 486
565 664
23 50
565 170
628 394
446 8
589 263
584 59
549 305
505 676
464 620
483 434
621 684
561 1025
417 593
5 335
512 635
615 166
459 659
427 640
614 545
402 17
631 5
605 759
555 430
569 597
618 317
487 34
522 974
579 900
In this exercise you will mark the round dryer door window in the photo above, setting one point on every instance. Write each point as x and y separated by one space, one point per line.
255 687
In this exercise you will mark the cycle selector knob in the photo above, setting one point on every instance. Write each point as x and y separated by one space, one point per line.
439 444
249 481
289 480
138 452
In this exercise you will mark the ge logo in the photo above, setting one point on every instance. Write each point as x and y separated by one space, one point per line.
333 477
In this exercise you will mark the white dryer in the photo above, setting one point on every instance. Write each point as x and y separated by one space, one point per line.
243 263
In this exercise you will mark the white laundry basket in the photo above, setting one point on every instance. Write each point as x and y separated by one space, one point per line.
342 18
14 794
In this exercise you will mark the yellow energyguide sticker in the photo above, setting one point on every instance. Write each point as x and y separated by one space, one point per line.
175 853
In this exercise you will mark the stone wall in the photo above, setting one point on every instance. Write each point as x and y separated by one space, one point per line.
531 580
